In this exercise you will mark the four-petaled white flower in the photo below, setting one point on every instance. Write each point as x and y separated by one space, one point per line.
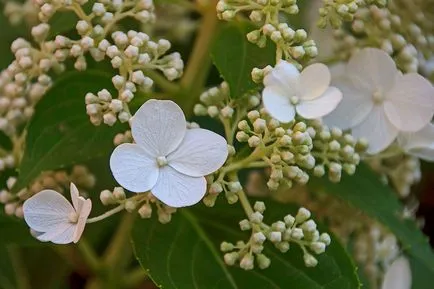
167 158
398 275
379 101
419 144
54 219
308 93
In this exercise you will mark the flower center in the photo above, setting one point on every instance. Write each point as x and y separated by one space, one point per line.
378 97
161 161
73 217
294 100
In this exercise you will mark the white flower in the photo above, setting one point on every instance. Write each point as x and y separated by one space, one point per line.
308 93
379 101
420 143
398 276
168 159
54 219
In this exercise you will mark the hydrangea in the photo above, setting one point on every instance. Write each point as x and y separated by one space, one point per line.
168 159
419 144
308 93
398 276
379 101
52 217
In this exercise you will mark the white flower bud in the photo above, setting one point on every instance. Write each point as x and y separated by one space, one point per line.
230 258
227 112
213 111
119 193
259 207
325 238
118 81
226 247
40 32
235 187
143 16
145 211
245 225
215 188
144 58
130 205
132 51
259 238
171 73
256 218
303 214
116 62
242 136
116 105
112 51
106 197
275 237
297 234
98 9
318 247
120 38
107 17
309 226
254 141
247 261
309 260
104 95
82 27
87 42
124 116
109 119
259 125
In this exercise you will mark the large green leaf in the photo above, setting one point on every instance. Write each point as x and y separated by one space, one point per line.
14 231
365 191
60 133
235 57
185 254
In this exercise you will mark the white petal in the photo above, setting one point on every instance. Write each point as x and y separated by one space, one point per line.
321 106
159 126
410 104
201 152
47 210
133 168
314 81
74 196
63 234
372 69
83 214
277 104
398 276
285 76
354 107
377 129
420 143
178 190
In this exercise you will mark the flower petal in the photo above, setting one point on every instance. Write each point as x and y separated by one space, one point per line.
354 107
178 190
420 143
46 211
372 69
74 196
159 127
314 81
200 153
377 129
321 106
133 168
63 234
284 76
410 104
398 276
277 104
83 214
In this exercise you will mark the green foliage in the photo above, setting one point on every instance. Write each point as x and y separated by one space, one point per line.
185 253
60 133
365 191
235 57
14 231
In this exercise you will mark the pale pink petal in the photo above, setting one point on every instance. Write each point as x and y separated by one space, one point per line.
321 106
372 69
83 214
201 152
63 234
158 127
285 76
377 129
398 276
74 196
47 210
278 105
314 81
353 108
410 104
133 168
420 143
178 190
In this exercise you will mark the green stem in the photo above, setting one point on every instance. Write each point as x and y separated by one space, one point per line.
89 255
22 276
135 278
162 82
107 214
244 200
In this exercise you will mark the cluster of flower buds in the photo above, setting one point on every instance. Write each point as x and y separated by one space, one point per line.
141 203
335 151
300 230
54 180
121 138
402 171
17 12
292 44
397 28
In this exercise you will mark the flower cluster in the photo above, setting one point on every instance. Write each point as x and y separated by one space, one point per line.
300 230
292 45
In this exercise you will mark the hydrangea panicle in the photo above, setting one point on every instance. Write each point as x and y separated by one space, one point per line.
167 158
52 217
308 93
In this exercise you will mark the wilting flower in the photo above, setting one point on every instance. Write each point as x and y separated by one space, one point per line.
398 276
52 217
419 144
308 93
379 101
167 158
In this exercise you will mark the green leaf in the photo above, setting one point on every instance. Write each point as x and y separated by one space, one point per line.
185 254
14 231
422 276
365 191
60 133
235 57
